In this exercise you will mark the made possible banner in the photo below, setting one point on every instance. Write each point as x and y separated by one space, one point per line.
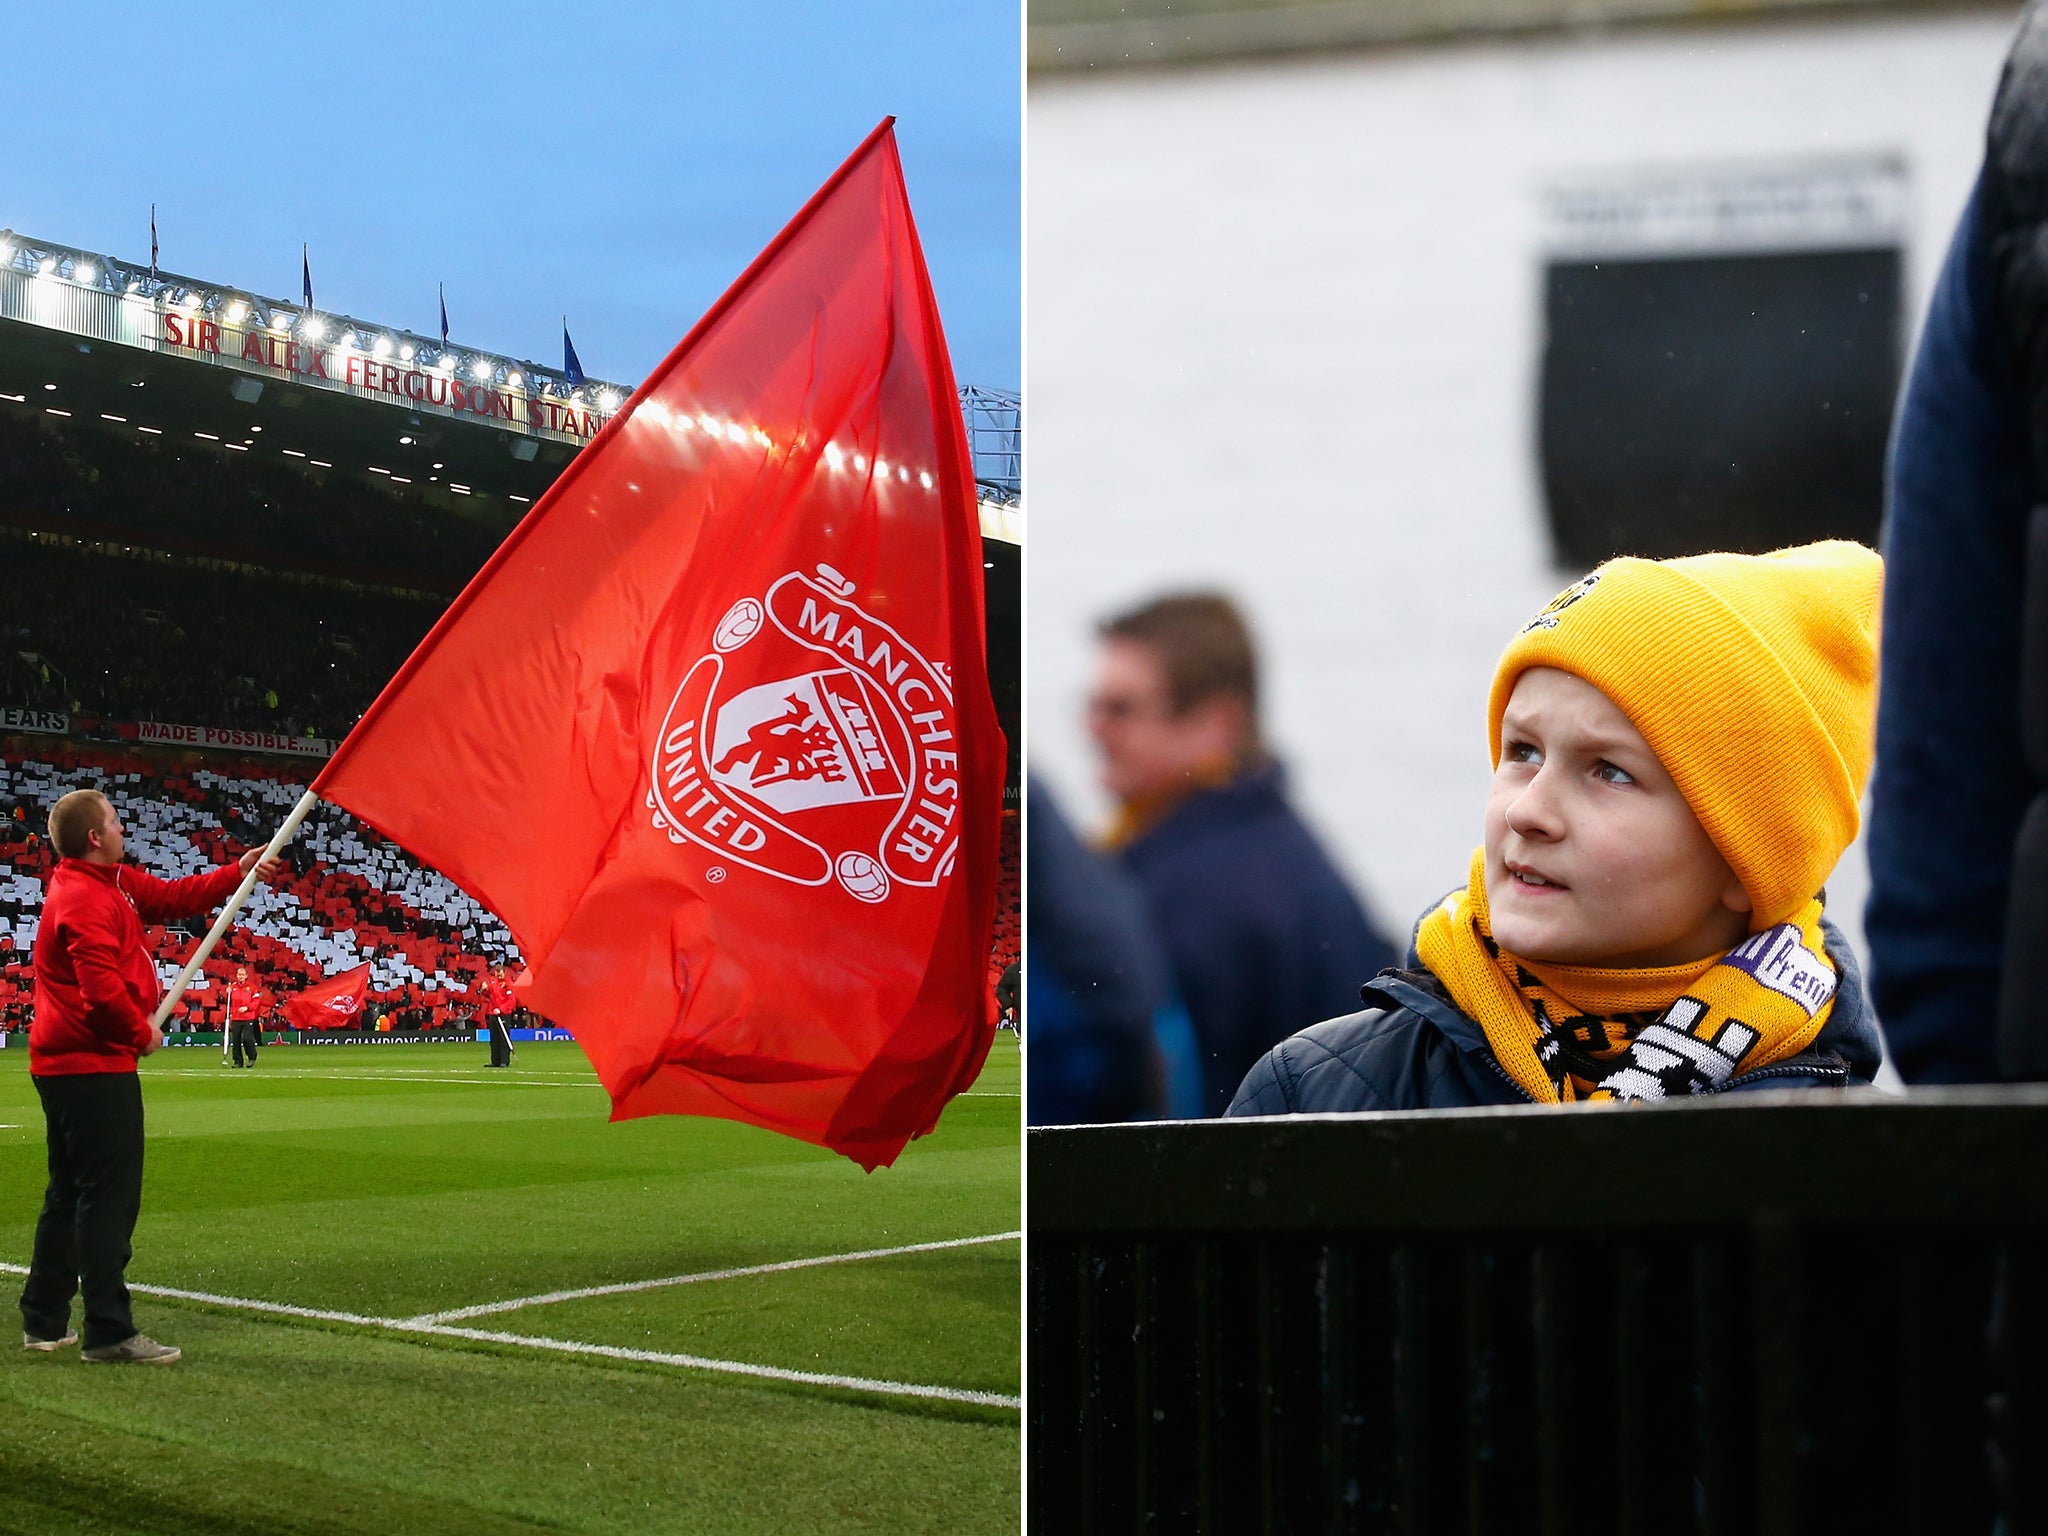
160 732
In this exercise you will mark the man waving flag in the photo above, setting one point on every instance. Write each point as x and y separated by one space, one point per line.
711 732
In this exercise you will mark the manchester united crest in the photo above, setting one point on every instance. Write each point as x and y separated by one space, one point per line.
813 743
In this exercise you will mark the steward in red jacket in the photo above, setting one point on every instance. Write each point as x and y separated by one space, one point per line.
499 1004
96 988
96 984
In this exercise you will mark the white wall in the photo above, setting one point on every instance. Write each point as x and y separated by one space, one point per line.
1283 323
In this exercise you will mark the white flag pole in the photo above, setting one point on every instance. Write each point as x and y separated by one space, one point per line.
227 913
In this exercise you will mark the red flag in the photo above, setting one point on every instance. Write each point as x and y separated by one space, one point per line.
332 1003
711 731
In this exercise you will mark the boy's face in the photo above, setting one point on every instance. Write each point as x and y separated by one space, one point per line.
1592 855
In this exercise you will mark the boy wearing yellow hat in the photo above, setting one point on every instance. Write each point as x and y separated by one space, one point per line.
1679 749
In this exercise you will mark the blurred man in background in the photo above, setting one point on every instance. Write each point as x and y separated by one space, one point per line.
1263 935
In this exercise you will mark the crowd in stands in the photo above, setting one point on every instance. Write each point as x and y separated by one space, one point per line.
134 638
349 898
169 495
1009 930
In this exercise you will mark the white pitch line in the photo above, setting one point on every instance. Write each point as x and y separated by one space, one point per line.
375 1077
249 1304
730 1367
574 1347
624 1286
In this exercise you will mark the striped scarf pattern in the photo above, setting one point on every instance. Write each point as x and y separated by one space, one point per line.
1566 1034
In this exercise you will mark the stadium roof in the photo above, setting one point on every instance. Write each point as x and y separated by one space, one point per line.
86 336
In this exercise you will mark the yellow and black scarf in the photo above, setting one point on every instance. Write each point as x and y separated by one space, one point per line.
1567 1033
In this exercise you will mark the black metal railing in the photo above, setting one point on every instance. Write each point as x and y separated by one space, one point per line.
1770 1313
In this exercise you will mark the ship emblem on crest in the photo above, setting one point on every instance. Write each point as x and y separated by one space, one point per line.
813 743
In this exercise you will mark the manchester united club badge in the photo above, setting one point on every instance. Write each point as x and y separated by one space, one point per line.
813 743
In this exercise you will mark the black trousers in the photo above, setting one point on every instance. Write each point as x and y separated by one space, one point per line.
501 1041
94 1123
243 1036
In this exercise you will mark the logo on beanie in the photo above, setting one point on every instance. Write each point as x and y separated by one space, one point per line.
1548 618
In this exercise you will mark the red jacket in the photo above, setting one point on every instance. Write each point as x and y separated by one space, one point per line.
96 984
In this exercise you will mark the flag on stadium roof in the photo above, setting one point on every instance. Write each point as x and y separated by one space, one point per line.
572 366
711 731
152 239
306 271
444 314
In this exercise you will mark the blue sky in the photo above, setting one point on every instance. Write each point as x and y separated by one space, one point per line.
621 163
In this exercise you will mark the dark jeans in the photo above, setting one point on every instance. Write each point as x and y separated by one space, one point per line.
501 1040
244 1037
95 1194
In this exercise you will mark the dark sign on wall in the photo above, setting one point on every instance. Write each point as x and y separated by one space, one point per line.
1720 358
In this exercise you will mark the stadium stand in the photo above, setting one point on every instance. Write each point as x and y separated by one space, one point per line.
351 897
143 635
102 485
1008 937
167 584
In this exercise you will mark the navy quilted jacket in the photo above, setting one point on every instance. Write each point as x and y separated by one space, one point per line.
1412 1049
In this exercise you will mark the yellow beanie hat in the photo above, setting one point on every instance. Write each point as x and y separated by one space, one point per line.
1754 680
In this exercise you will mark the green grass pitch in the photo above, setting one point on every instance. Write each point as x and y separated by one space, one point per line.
380 1185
